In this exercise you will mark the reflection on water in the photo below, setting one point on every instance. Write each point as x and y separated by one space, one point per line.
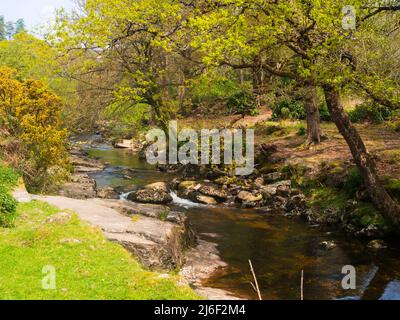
278 247
118 160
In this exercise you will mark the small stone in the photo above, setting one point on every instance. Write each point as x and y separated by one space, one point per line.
377 244
70 241
59 218
206 200
283 191
259 182
174 184
328 245
187 185
273 177
245 196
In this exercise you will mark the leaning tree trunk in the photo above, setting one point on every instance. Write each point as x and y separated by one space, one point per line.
390 208
313 116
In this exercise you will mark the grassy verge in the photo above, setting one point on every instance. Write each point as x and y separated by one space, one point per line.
8 177
87 266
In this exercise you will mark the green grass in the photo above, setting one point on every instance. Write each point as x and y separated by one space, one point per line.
87 266
8 177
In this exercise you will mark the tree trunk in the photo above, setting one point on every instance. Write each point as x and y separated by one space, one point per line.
258 79
181 99
313 116
241 76
389 208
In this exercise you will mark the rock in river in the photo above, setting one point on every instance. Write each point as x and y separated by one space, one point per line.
249 200
328 245
214 192
377 244
107 193
156 193
206 200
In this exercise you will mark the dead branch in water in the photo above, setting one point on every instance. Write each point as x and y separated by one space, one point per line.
302 285
256 287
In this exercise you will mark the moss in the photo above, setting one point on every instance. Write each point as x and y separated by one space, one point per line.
334 206
324 198
393 187
367 215
298 174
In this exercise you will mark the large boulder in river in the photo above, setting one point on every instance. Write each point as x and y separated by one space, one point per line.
214 192
107 193
156 193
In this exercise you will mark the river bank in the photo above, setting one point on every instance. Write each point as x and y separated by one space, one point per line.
279 247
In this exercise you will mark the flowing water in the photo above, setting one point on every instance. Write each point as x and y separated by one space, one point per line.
279 248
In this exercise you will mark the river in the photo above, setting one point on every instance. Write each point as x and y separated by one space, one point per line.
279 247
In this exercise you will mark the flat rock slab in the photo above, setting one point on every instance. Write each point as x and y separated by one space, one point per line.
131 208
159 245
201 262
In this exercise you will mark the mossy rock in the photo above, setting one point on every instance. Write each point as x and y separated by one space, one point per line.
393 187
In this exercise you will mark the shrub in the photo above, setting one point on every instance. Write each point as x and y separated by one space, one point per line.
289 109
370 112
324 112
8 207
31 114
295 110
302 131
241 102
